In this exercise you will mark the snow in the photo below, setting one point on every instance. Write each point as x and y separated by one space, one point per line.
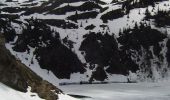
121 91
71 4
116 78
116 91
18 3
28 58
7 93
49 76
107 1
76 35
17 27
51 16
65 97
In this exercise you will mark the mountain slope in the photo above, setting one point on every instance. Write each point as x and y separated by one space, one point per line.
7 94
77 41
16 75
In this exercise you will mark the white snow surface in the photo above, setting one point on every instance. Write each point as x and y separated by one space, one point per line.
6 93
122 91
107 1
65 97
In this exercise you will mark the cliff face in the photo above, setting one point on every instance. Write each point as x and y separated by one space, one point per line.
16 75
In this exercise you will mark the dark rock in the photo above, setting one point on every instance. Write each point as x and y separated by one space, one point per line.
16 75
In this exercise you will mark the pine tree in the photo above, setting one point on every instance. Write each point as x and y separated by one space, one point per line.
86 21
120 32
136 25
76 16
139 12
81 25
31 0
128 16
9 0
147 13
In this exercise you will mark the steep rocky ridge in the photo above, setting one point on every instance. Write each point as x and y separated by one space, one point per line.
16 75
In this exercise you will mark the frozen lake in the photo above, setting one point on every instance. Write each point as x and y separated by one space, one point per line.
121 91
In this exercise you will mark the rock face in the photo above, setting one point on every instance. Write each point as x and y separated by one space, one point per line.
16 75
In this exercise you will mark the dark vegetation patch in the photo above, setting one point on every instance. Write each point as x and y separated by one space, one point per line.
85 15
5 27
137 41
100 2
18 76
103 9
60 60
63 10
168 52
114 1
87 6
78 96
33 10
141 36
90 27
99 74
35 34
59 2
161 19
114 14
17 21
131 4
99 48
103 51
3 4
13 9
9 16
50 52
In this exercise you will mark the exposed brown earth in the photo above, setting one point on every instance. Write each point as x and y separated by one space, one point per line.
16 75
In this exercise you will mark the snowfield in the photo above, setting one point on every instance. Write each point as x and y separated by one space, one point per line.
76 36
121 91
6 93
113 91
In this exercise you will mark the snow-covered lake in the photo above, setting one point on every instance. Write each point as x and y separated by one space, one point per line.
121 91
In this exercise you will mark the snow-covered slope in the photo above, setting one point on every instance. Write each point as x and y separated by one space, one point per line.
86 41
23 83
6 93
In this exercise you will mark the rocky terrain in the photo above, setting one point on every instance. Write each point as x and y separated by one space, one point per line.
16 75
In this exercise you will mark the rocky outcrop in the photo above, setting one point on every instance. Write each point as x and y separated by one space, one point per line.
16 75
